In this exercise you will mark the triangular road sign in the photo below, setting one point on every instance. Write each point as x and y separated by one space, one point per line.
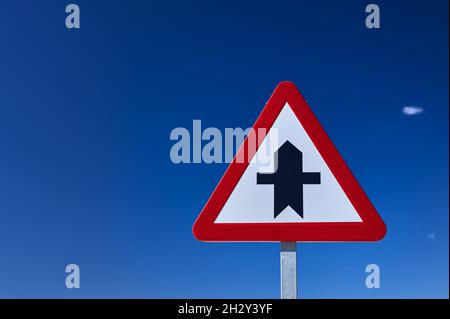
304 192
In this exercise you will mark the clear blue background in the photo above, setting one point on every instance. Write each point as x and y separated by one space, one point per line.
85 118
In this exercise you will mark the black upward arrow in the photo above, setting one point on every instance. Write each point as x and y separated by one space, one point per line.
288 179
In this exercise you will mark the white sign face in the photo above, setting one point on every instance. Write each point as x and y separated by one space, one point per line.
253 202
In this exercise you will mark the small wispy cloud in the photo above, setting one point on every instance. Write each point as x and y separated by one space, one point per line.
412 110
431 236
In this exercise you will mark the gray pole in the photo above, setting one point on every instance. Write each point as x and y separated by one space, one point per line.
288 258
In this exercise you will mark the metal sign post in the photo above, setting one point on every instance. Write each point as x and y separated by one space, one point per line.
288 256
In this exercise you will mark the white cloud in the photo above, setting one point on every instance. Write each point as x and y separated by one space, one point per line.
412 110
431 236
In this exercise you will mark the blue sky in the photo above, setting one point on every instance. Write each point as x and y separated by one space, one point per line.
85 118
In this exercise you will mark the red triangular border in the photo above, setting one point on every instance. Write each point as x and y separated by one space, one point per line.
372 227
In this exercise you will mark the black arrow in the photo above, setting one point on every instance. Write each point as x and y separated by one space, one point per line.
288 179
